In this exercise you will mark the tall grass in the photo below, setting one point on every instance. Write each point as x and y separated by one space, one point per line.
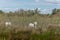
28 35
21 22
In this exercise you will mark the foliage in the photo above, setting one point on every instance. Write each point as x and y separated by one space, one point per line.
54 11
27 35
21 18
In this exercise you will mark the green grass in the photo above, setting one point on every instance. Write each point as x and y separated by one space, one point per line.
23 21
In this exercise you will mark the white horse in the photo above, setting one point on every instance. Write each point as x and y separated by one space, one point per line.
33 25
8 24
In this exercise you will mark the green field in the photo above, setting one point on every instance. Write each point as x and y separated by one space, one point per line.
20 22
48 25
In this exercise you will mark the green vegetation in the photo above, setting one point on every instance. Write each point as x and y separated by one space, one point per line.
48 25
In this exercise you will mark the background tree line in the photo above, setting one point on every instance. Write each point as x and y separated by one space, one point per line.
29 12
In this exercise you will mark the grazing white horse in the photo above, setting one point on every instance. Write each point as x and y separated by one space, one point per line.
7 23
33 25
